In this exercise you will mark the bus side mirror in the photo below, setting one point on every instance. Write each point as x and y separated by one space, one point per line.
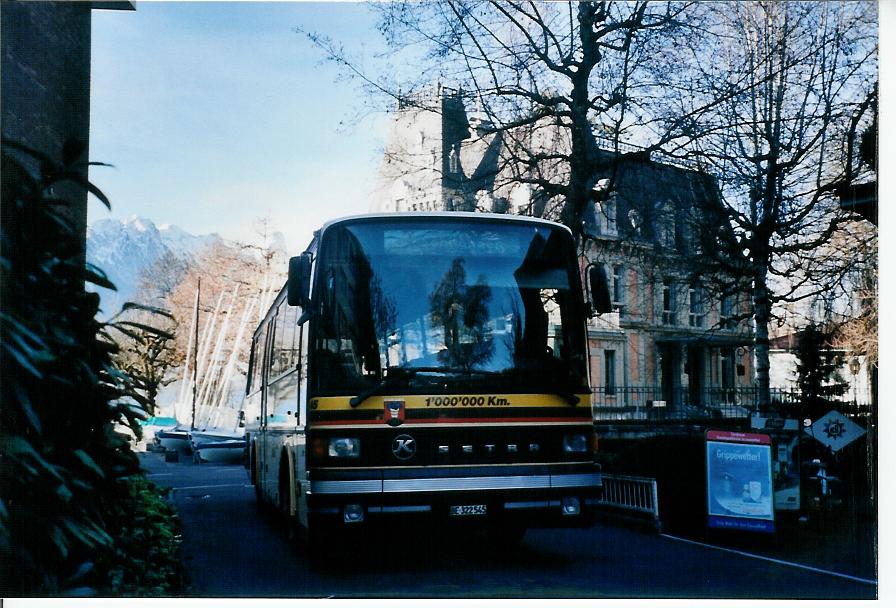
298 289
598 290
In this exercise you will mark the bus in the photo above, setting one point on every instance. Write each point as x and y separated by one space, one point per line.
426 365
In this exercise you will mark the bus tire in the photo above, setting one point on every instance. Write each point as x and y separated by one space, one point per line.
284 490
253 474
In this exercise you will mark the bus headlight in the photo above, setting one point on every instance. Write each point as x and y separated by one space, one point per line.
575 444
344 447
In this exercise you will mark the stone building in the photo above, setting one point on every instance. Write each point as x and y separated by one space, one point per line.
45 52
668 344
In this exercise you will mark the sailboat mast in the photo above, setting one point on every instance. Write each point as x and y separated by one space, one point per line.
196 339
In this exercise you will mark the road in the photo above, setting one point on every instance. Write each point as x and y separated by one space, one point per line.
232 550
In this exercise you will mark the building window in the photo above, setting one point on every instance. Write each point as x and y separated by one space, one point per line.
681 227
695 305
610 372
665 225
668 302
453 160
635 222
618 288
726 311
610 213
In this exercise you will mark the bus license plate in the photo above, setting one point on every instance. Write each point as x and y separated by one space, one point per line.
461 510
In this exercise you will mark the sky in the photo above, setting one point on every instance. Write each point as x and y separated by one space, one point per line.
216 114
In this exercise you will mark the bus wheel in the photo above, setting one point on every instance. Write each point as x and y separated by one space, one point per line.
253 475
283 494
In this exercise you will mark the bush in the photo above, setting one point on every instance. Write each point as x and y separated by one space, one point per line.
146 560
63 464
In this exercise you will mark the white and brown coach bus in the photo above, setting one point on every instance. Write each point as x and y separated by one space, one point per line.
429 365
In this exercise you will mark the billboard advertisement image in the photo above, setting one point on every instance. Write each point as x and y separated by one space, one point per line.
740 494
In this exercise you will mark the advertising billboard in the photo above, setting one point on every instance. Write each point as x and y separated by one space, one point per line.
740 494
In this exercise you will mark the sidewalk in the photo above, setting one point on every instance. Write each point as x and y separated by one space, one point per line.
845 544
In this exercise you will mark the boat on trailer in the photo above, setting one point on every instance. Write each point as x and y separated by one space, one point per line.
175 439
224 451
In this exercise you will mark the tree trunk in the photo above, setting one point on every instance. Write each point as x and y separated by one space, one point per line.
583 142
761 317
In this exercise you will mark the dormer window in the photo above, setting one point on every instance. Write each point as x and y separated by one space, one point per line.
635 221
610 213
665 225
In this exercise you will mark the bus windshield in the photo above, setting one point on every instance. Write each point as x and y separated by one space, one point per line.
446 302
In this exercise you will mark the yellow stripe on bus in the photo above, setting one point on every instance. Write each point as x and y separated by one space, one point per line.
435 402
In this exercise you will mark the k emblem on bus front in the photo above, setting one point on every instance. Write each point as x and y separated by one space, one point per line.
404 447
394 412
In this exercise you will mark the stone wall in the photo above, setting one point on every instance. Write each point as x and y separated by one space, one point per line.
46 82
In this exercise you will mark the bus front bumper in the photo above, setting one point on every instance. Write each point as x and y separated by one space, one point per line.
563 495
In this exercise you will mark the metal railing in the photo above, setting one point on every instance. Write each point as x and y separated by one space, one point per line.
634 495
654 402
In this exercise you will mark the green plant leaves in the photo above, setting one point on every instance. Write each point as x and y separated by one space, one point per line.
64 469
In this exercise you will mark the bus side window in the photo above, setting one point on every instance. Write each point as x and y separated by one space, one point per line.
272 351
258 348
294 346
284 356
283 375
253 363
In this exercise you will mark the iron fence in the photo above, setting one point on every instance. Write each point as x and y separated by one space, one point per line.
684 402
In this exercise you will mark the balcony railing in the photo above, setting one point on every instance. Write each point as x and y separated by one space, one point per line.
653 402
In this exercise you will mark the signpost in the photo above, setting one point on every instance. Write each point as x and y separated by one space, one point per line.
785 436
740 495
835 430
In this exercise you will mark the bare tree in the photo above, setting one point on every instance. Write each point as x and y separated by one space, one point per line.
858 332
146 354
757 94
550 80
237 280
145 331
776 144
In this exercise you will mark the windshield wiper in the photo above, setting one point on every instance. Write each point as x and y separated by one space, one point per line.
393 376
553 377
387 383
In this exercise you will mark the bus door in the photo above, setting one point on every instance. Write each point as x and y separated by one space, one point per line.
284 378
265 462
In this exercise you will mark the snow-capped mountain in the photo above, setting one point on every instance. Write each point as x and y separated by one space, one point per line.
124 248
